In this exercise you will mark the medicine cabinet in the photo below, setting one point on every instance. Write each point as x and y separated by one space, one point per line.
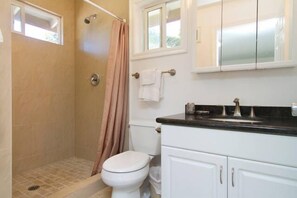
244 34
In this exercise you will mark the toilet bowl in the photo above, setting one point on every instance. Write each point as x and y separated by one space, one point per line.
125 173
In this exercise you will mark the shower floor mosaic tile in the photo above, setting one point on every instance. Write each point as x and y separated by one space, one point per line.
51 178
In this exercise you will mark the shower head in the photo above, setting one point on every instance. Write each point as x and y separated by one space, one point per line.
90 18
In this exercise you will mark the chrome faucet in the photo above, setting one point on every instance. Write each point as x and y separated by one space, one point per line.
237 112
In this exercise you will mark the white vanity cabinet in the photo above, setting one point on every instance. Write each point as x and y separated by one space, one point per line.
193 174
259 180
211 163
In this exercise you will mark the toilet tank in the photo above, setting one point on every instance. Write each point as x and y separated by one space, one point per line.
144 138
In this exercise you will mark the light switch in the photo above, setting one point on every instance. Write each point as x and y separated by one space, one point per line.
1 36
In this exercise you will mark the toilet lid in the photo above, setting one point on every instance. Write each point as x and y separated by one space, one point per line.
128 161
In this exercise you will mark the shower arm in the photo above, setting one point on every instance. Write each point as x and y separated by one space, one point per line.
106 11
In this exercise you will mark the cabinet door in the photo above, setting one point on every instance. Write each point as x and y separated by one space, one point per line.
250 179
193 174
239 35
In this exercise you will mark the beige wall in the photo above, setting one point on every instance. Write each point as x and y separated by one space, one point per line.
5 102
92 45
43 94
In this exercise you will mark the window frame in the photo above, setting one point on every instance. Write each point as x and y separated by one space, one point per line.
23 5
138 30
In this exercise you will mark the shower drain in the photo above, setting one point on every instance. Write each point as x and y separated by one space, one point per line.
34 187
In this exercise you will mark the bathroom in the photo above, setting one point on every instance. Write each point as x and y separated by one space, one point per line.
35 74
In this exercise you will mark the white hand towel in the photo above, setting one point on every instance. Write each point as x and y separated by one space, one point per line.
152 92
148 77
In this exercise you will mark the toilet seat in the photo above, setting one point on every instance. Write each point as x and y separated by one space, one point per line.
126 162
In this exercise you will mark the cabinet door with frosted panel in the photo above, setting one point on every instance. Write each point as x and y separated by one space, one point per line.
275 32
250 179
208 35
193 174
239 34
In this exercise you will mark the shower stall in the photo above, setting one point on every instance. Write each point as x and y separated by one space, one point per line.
57 112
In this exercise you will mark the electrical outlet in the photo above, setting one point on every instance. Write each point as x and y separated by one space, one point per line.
294 109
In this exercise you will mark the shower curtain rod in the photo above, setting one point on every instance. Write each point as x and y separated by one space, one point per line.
104 10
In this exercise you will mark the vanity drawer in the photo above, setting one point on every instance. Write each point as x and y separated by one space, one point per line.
275 149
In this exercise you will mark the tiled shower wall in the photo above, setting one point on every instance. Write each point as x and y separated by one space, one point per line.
43 94
5 102
56 112
92 47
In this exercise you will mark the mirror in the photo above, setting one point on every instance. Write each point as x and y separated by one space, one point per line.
275 30
239 32
244 34
208 34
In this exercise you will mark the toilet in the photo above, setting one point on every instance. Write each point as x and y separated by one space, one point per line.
126 172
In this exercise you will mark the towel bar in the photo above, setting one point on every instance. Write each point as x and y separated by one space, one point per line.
172 72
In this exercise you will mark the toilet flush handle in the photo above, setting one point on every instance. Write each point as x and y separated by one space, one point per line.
158 129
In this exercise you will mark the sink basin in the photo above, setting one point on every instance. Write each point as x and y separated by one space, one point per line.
235 120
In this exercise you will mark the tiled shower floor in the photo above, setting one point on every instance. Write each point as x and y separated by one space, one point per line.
51 178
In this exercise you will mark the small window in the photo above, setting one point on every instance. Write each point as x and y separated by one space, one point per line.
163 25
36 23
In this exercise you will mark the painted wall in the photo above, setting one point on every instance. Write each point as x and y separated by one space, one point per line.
91 53
274 87
5 102
43 94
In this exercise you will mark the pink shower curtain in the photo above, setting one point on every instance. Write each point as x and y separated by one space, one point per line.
113 126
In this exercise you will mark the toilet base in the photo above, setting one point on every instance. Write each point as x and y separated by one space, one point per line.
125 184
120 193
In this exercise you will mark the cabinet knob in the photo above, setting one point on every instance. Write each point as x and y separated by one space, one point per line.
158 129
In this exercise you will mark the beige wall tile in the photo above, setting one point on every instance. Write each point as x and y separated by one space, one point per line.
43 93
5 102
5 172
85 152
28 162
23 141
48 91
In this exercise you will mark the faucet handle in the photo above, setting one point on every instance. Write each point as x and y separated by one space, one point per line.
224 111
236 100
252 114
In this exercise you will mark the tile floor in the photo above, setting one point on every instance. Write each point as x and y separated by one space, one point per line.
52 178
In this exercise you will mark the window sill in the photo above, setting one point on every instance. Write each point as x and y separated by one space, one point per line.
158 53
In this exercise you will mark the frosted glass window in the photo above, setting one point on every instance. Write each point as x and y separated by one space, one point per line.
163 25
173 24
154 29
36 23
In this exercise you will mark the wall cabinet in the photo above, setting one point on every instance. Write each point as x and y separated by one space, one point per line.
244 34
205 163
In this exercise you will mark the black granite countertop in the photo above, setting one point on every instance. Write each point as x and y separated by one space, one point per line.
279 124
